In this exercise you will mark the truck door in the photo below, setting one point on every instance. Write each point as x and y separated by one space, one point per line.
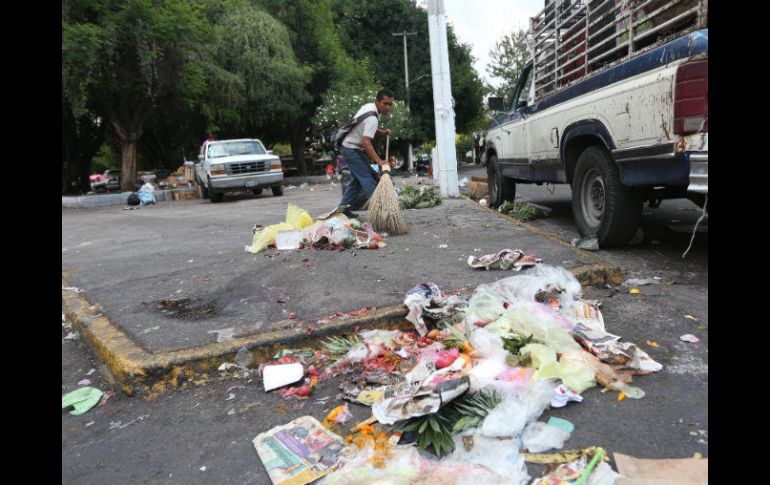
515 142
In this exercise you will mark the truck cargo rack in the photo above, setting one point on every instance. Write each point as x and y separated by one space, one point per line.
572 39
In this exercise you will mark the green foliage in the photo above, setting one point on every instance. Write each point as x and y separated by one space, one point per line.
336 347
105 159
365 28
256 81
461 413
463 143
523 212
281 149
507 61
413 197
516 342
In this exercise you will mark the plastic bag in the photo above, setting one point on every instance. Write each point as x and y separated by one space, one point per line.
298 218
542 322
576 375
488 345
516 410
480 459
540 436
145 197
483 307
541 278
266 237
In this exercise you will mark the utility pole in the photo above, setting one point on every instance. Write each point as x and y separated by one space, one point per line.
446 157
406 78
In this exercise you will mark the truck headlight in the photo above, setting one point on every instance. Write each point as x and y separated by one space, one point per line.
275 164
218 169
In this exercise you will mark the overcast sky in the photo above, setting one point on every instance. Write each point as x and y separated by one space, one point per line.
481 23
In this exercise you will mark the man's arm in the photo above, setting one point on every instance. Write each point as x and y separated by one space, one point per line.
369 149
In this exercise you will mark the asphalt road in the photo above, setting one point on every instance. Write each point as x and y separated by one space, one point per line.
169 439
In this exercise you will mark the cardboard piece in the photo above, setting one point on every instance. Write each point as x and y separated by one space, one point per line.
638 471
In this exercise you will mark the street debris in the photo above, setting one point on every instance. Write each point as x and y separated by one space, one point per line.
587 243
422 197
81 400
638 471
275 376
299 452
688 337
506 259
524 212
84 382
467 384
72 336
120 425
337 232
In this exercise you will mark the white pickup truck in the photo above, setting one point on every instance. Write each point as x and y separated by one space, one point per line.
237 165
615 103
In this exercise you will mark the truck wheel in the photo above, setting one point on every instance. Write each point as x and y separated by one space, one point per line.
214 196
257 191
500 188
602 205
277 190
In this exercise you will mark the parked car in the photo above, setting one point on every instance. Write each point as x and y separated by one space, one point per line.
237 165
110 181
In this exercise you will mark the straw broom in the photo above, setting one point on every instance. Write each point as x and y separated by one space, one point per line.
384 209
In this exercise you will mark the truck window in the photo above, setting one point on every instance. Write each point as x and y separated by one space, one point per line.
522 95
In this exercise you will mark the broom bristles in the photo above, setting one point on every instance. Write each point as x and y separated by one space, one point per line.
385 210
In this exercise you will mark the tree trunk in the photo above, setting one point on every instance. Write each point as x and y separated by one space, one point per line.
298 147
128 163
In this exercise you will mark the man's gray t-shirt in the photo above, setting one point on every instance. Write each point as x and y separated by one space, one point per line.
367 127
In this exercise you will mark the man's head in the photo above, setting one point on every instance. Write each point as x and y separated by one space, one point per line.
384 101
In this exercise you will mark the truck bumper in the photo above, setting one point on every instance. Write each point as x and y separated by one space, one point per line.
246 182
699 172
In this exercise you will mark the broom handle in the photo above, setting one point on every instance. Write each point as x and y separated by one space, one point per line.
387 147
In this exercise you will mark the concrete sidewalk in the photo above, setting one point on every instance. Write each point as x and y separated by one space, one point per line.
174 279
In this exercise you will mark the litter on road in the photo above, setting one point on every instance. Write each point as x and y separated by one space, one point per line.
506 259
81 400
300 230
467 385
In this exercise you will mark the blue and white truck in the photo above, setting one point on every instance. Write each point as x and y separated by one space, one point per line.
614 102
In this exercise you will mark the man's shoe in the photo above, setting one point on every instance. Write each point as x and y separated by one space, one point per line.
348 213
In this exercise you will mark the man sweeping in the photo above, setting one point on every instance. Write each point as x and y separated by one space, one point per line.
357 149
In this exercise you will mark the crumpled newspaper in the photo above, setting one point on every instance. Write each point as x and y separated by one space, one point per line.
427 300
608 348
505 259
424 392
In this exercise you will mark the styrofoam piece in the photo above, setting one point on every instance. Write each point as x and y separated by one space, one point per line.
275 376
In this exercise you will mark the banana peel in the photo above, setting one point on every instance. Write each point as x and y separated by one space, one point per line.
563 457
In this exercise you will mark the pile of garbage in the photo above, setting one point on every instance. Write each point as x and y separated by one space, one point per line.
300 230
466 386
419 197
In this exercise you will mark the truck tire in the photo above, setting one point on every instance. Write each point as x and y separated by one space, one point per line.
277 190
501 189
215 197
603 207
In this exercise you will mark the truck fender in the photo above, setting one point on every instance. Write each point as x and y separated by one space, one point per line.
579 135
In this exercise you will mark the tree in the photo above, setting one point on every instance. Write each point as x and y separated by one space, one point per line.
260 85
342 104
508 58
366 28
126 58
316 45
